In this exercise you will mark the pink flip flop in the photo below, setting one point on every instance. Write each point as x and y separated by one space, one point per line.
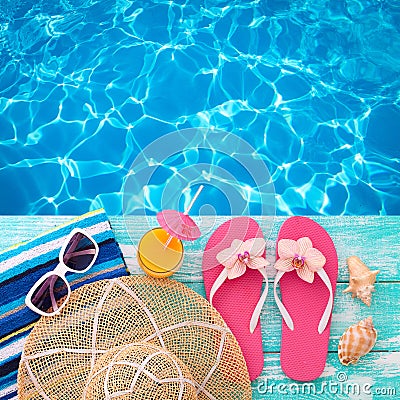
307 267
233 270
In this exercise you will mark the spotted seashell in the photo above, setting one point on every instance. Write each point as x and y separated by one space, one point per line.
362 280
357 341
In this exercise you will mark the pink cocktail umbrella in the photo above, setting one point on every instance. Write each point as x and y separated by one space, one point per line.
179 224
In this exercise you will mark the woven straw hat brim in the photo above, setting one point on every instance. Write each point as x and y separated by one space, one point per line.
61 351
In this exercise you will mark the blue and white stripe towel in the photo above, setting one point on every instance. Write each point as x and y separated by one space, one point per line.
22 265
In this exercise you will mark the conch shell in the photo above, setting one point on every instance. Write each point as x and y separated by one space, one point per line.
357 341
362 280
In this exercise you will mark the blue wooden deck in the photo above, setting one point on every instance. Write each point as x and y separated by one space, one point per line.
376 240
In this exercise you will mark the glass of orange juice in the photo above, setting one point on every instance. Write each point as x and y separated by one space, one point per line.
155 258
160 251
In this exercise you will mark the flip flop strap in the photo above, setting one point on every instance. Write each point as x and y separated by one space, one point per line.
328 309
257 310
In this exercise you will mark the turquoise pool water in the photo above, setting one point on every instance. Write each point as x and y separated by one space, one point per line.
312 86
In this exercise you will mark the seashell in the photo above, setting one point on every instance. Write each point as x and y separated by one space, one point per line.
357 341
362 280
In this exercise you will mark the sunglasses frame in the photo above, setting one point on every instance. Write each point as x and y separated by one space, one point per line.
60 271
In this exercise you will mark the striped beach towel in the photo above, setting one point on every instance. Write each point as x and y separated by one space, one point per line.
23 264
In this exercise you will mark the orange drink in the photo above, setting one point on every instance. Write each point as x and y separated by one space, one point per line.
157 260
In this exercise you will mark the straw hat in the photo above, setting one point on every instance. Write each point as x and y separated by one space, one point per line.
133 338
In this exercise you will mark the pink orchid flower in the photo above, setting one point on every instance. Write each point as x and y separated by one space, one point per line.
301 256
241 255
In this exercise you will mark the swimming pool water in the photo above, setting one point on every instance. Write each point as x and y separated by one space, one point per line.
312 86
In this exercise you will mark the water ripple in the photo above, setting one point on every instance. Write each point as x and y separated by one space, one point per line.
313 86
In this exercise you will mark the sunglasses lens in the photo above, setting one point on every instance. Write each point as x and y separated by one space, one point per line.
50 295
79 253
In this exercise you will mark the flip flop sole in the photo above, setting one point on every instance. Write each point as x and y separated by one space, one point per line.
304 350
236 299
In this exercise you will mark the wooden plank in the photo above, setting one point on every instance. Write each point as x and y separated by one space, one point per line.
376 376
18 228
375 239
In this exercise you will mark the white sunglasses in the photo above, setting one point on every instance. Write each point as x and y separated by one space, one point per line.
51 292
